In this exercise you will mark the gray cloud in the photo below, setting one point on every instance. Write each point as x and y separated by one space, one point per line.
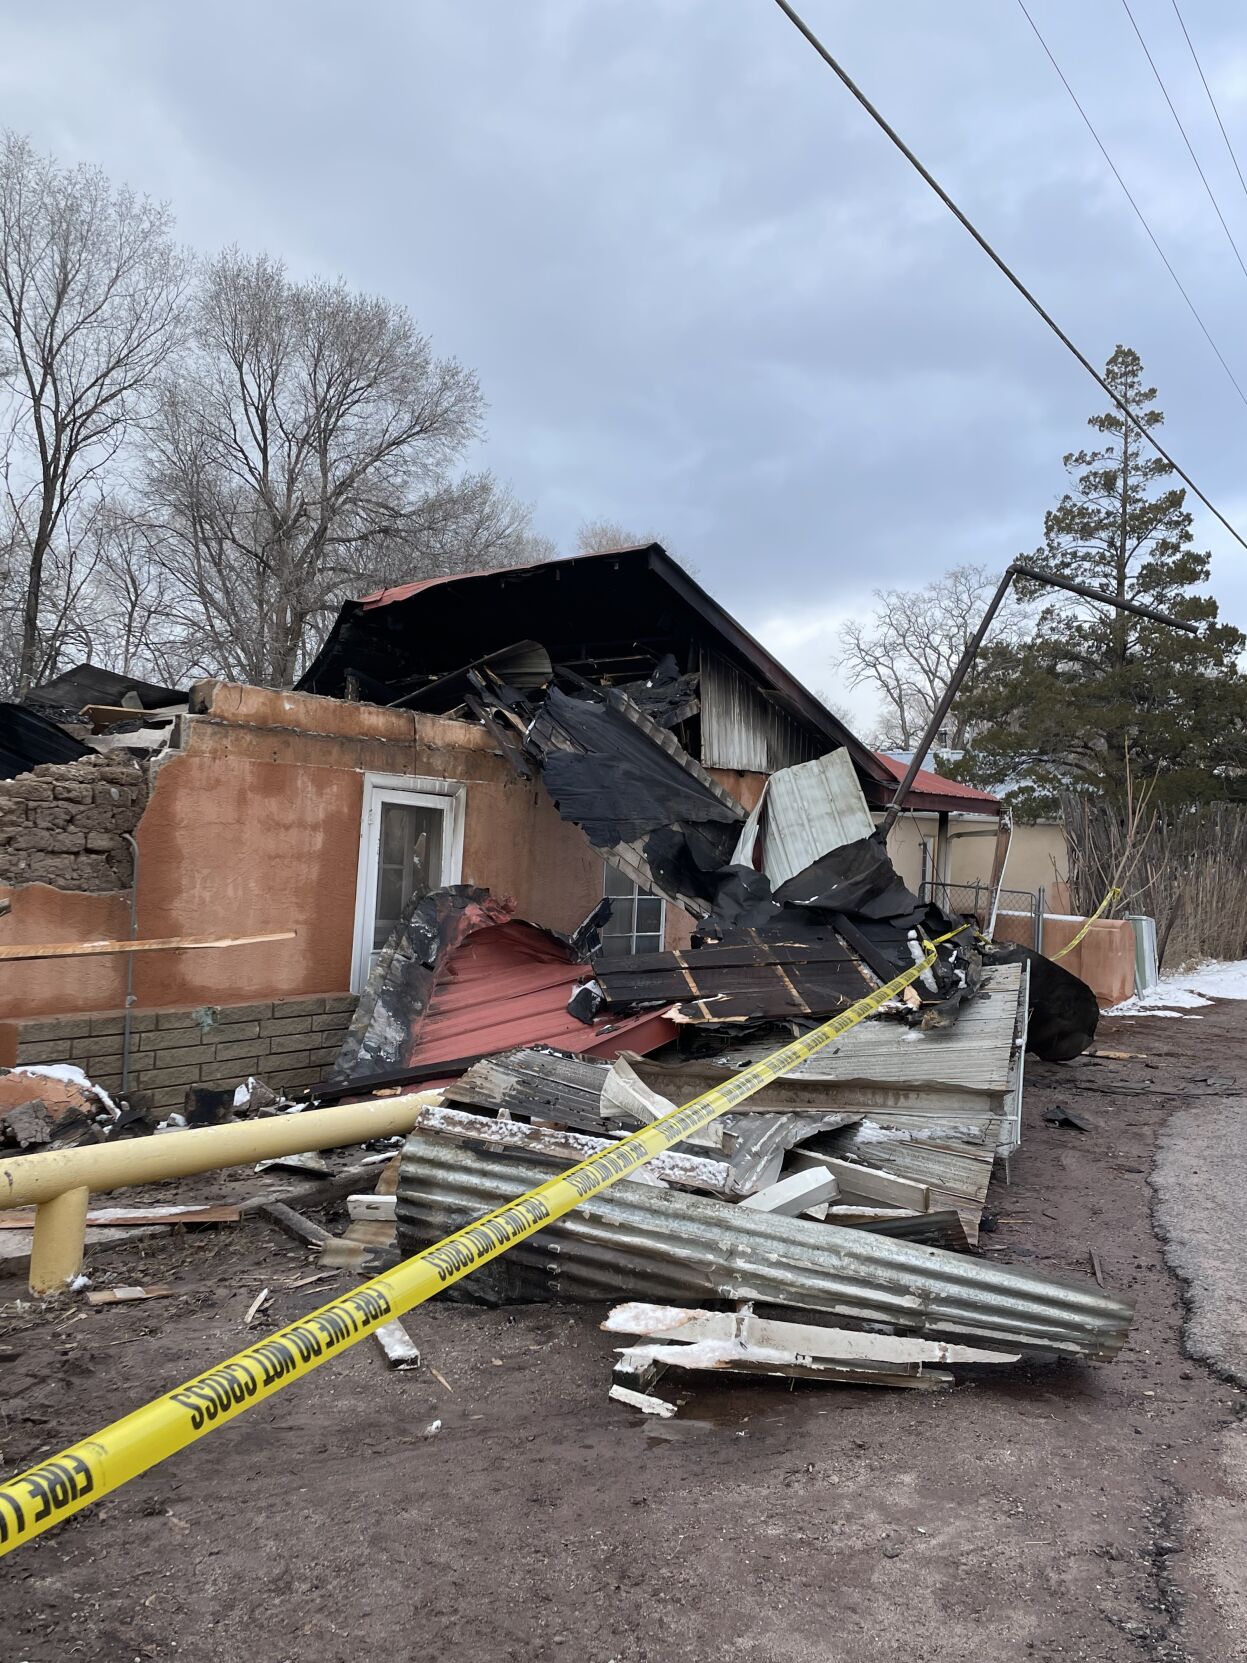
702 292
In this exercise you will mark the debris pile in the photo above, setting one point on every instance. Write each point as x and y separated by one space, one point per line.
826 1227
51 1105
849 1191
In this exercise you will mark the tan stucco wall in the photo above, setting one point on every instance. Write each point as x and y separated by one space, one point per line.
1104 958
39 987
254 826
1036 854
1037 860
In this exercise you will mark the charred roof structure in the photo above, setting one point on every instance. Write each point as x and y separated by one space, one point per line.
631 618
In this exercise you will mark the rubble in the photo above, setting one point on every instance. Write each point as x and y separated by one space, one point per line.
671 1245
461 978
743 1343
851 1187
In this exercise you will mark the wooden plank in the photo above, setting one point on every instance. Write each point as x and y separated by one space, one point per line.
293 1224
868 1183
806 1191
312 1197
726 1359
853 1216
643 1401
119 1217
173 943
839 1345
126 1296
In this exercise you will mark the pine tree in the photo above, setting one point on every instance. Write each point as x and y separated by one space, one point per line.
1096 693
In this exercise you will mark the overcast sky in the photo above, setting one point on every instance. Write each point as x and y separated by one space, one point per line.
705 297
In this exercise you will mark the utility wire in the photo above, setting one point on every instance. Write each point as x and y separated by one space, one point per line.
1211 99
1185 139
1130 199
880 121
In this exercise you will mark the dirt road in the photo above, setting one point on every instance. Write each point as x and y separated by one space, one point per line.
1062 1512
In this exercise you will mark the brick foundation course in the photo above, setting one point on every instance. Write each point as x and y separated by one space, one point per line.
289 1044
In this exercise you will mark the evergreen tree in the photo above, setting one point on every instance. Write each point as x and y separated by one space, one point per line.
1096 691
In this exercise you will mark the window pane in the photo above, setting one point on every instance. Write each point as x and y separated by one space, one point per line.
409 862
648 912
636 921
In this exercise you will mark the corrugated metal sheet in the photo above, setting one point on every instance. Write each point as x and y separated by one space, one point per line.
805 812
956 1171
952 795
741 728
664 1246
976 1054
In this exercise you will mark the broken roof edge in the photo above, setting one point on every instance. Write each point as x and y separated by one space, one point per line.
656 559
241 704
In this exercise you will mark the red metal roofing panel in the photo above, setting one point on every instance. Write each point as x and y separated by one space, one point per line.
507 986
404 591
953 794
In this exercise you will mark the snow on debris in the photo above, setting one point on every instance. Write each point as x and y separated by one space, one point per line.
69 1075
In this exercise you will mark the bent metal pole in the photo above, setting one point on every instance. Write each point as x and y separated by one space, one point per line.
1033 575
36 1500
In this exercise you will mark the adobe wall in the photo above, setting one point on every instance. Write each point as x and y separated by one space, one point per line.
254 826
64 823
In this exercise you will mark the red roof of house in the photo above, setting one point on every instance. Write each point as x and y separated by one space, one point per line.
404 591
932 791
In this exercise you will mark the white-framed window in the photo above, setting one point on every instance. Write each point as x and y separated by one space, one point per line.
410 841
637 921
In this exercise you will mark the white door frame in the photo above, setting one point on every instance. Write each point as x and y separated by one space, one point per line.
418 791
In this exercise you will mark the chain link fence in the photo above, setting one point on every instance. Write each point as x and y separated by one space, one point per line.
1023 908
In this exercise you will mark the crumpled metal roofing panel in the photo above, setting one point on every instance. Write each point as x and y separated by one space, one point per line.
666 1246
807 811
975 1054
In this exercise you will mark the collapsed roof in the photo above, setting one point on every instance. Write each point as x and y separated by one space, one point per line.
612 617
89 684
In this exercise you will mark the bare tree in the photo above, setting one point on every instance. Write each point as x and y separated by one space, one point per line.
90 290
603 536
299 453
471 523
906 649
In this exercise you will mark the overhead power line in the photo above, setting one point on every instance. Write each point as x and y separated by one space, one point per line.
1130 199
1195 57
1185 139
880 121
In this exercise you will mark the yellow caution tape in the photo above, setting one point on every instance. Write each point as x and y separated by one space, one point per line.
1099 911
45 1495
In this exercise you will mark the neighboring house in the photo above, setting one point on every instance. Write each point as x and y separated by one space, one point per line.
1036 860
324 811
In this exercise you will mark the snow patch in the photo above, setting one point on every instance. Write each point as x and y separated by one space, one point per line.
1180 990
